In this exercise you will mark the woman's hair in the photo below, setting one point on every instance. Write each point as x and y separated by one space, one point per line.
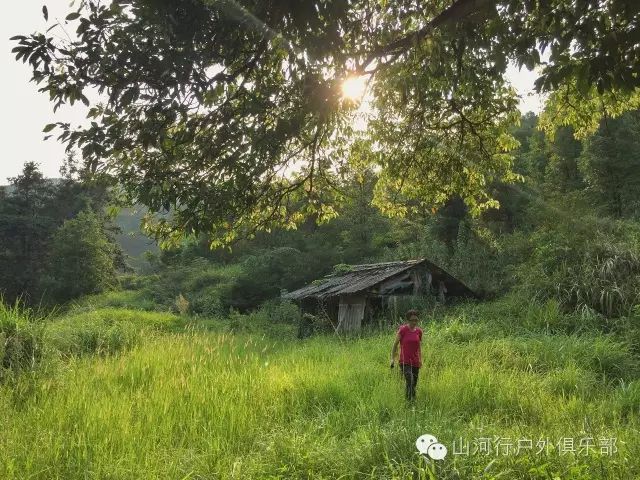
411 313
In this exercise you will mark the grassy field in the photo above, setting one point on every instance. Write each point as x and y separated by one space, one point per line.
125 394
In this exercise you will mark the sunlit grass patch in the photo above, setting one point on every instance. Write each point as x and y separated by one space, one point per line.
190 403
105 331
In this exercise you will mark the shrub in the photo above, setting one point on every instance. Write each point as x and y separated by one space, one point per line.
274 318
594 264
208 287
314 324
209 302
181 304
281 311
265 274
607 280
133 281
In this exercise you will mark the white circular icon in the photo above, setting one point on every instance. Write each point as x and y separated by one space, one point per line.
429 446
437 451
424 442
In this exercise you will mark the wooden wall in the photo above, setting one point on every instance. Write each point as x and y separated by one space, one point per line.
351 313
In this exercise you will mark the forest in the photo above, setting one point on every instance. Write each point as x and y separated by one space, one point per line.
566 231
225 161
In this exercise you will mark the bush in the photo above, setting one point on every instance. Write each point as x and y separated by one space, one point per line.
274 318
209 303
206 286
132 281
181 304
263 276
280 311
594 264
607 280
314 324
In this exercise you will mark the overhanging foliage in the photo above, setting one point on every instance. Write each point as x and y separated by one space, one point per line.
229 113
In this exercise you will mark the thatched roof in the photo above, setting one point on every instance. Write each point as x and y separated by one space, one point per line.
363 277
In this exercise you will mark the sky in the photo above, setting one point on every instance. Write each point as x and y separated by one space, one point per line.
26 111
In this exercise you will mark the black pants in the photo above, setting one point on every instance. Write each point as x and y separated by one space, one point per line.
411 378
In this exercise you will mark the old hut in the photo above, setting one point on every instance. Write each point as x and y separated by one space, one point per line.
352 297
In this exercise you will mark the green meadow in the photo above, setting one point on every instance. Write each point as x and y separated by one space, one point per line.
115 393
475 160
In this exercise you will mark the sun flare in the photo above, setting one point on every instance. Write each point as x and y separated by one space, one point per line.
353 88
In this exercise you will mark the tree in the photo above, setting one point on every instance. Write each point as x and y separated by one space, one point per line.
523 132
209 108
26 223
562 172
32 209
611 165
82 258
75 191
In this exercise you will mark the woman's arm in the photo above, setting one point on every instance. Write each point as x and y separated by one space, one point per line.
394 349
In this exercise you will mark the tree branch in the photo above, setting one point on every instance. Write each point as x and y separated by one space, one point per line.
460 10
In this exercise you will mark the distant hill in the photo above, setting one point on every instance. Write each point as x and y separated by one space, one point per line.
132 241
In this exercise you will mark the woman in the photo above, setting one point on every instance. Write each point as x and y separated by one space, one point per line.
409 337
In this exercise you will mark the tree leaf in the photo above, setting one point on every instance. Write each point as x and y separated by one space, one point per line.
49 127
73 16
45 12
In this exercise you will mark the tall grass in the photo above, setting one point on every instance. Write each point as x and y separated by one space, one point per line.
185 403
105 331
21 346
131 299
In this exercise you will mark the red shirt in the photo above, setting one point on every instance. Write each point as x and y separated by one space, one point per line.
410 345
